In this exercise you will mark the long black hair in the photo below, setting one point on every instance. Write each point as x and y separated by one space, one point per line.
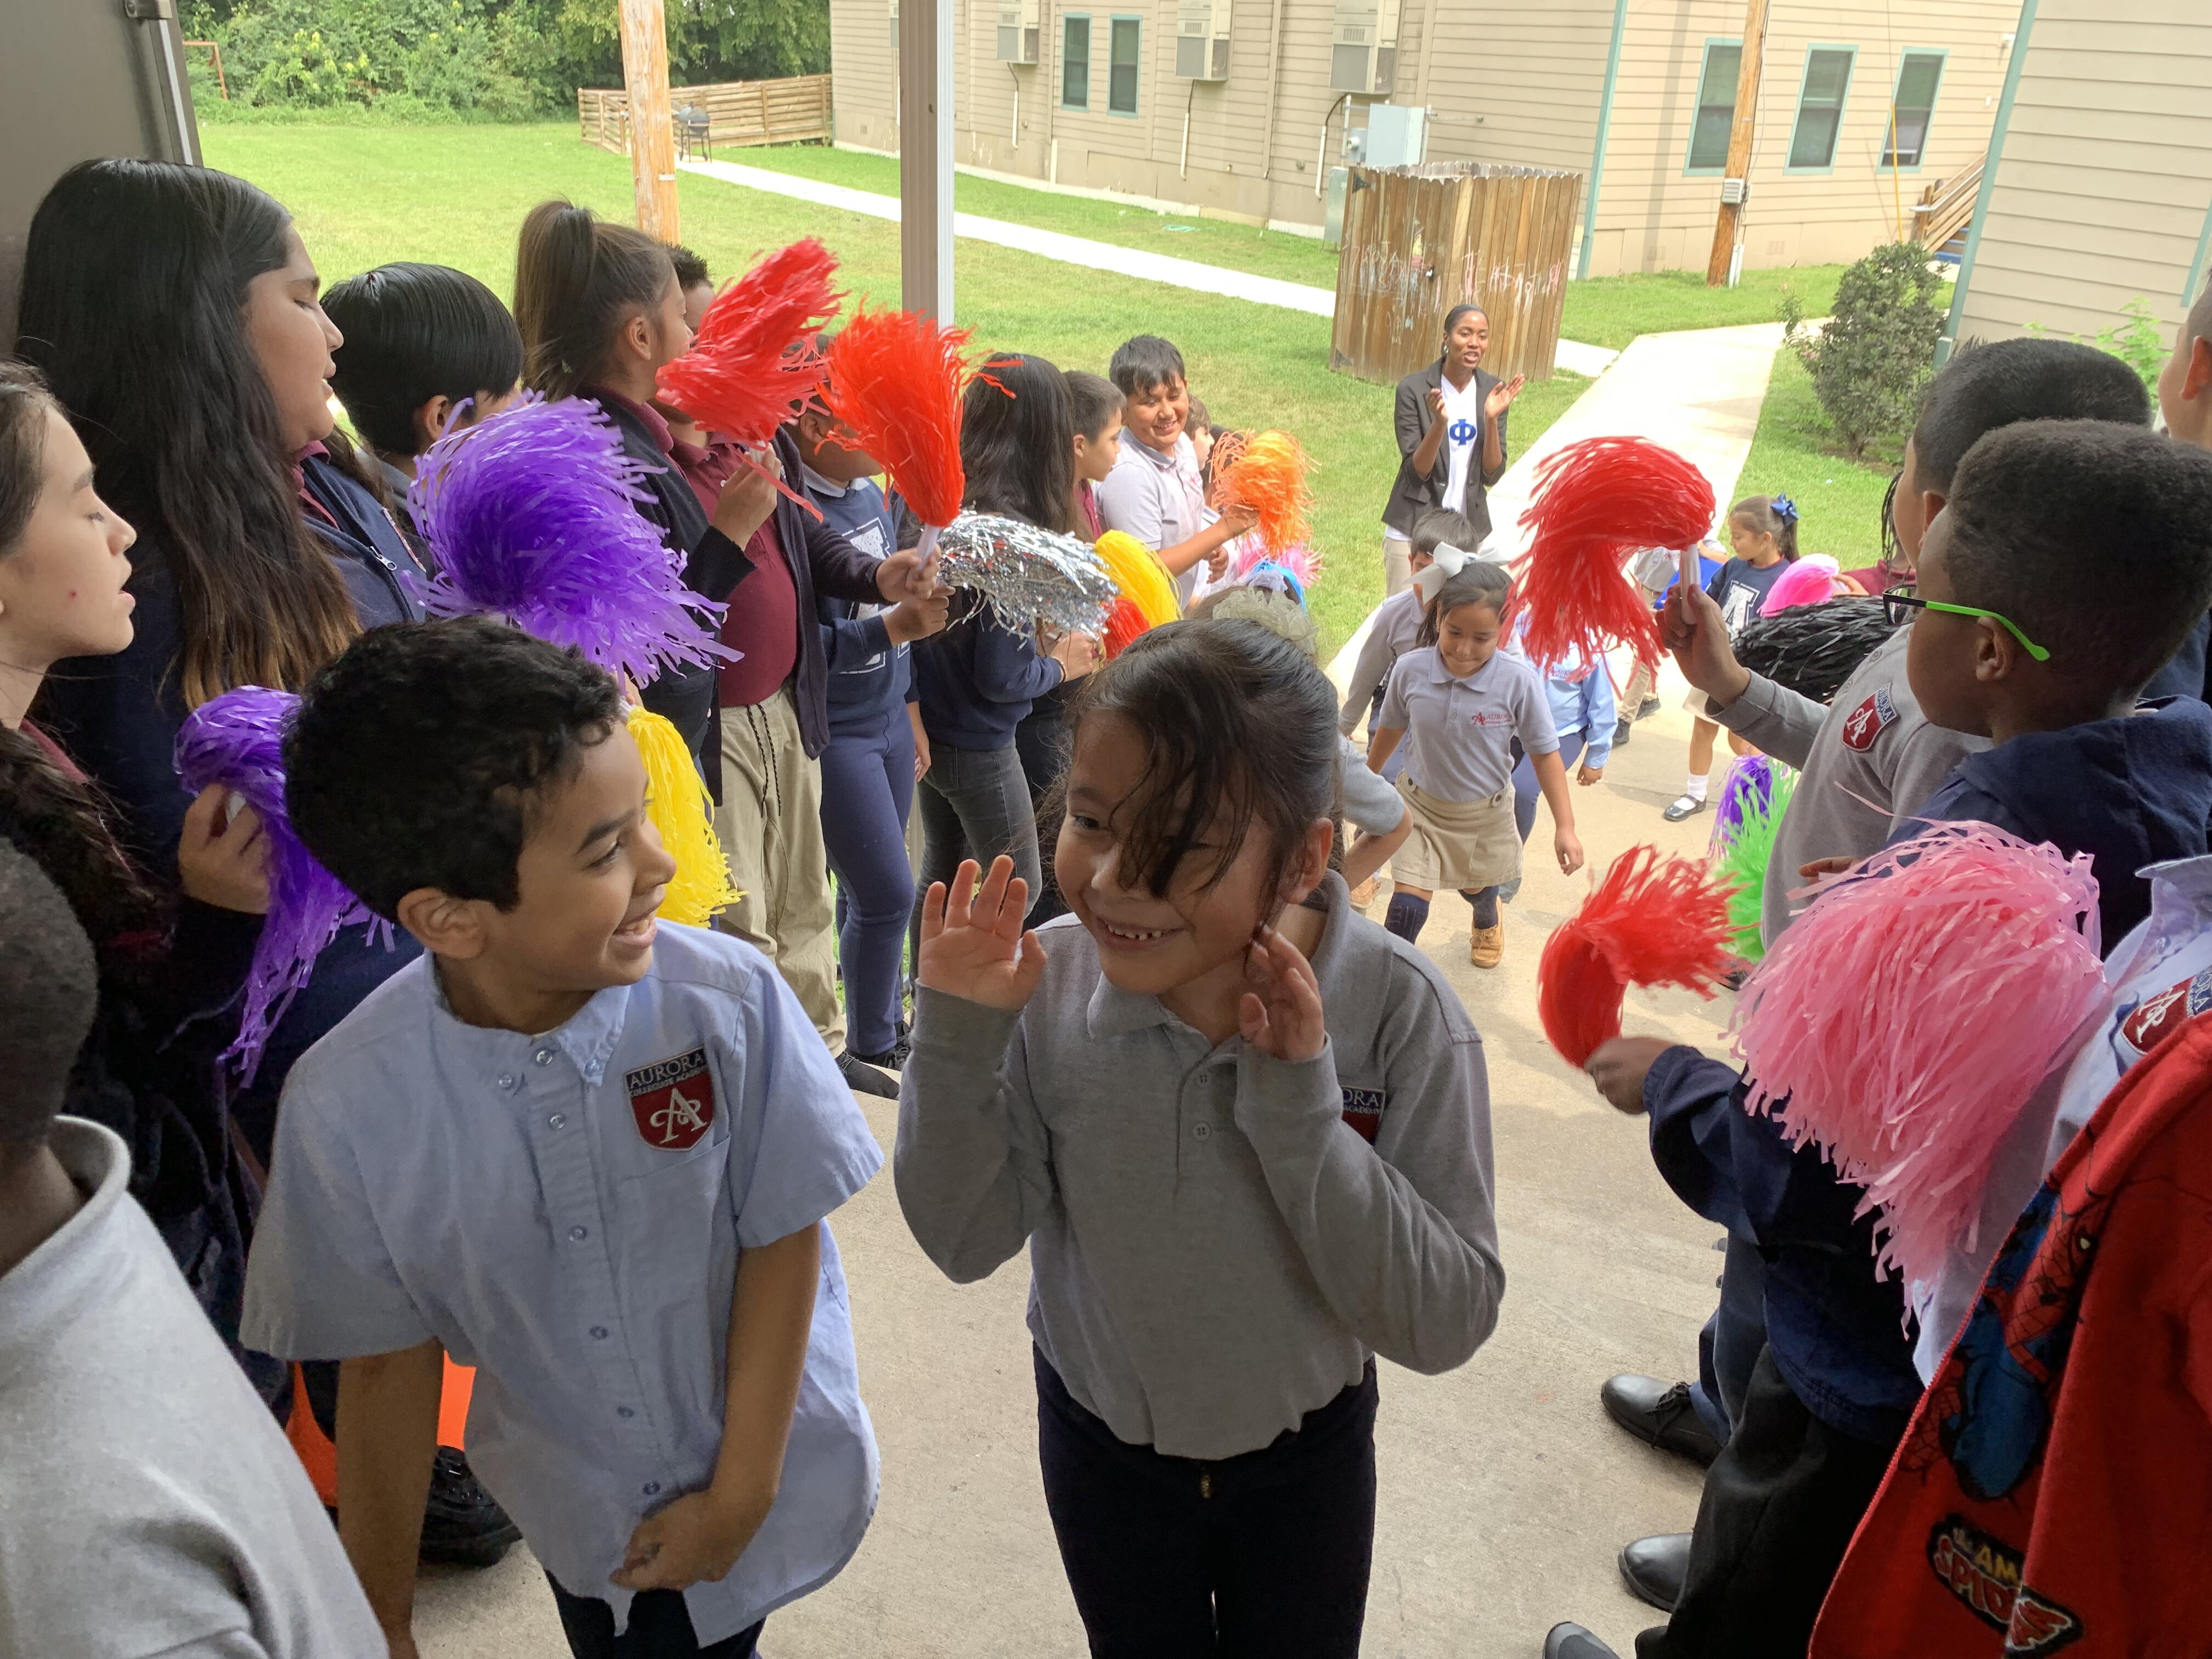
135 281
54 818
577 279
1018 442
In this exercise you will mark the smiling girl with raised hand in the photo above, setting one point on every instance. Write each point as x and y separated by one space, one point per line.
1245 1133
1458 702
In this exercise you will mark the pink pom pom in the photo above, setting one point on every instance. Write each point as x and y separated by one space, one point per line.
1903 1021
1808 581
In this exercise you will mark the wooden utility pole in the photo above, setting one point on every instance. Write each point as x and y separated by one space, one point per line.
925 120
1741 134
652 137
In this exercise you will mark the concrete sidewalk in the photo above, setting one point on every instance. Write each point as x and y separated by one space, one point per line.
1081 251
1698 391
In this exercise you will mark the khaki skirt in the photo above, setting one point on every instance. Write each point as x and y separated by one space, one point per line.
1460 845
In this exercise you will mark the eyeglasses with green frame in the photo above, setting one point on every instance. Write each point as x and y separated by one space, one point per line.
1900 604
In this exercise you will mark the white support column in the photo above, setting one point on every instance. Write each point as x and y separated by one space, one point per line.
926 156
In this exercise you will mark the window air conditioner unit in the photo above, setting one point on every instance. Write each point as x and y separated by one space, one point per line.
1362 56
1018 31
1202 40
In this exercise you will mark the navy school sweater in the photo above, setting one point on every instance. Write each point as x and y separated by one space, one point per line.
977 679
868 675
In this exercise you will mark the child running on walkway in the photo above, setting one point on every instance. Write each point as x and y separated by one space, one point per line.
1458 702
1763 532
1245 1133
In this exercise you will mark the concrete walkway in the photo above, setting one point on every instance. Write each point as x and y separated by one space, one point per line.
1081 251
1698 391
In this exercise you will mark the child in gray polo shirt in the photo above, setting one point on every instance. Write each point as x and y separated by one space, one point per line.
1457 703
1244 1131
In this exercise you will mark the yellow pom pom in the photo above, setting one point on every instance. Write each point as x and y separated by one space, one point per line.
1138 572
682 813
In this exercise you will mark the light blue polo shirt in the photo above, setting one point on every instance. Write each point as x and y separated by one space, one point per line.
1459 733
565 1212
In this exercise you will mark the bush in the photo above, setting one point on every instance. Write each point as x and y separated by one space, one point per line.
2138 342
488 59
1870 362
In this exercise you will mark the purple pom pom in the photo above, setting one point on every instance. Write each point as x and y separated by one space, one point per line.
237 740
1748 786
533 515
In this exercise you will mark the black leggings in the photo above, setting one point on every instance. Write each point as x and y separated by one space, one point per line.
1261 1556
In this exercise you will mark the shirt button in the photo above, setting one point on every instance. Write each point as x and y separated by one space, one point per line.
579 1234
556 1121
506 1079
598 1333
544 1056
624 1413
1202 1131
651 1488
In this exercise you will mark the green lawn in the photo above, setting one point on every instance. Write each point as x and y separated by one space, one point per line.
456 195
1794 453
1606 311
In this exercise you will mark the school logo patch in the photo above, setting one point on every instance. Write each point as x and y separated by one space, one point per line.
2162 1015
1363 1111
1983 1573
1869 720
672 1100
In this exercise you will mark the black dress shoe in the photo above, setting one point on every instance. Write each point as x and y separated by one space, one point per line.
863 1078
1573 1642
1653 1568
463 1524
1659 1414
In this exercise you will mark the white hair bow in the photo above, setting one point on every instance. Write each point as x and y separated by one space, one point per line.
1444 564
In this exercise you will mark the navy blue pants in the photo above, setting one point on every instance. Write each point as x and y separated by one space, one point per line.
867 789
1261 1556
1526 791
1728 1346
660 1628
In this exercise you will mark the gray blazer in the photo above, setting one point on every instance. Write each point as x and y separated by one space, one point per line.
1411 495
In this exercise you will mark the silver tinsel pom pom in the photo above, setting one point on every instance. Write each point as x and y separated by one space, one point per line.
1030 575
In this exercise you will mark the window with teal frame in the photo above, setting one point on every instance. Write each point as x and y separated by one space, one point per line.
1709 130
1075 61
1123 65
1918 75
1820 108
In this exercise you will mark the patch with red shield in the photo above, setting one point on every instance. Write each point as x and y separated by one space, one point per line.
2166 1013
672 1100
1869 720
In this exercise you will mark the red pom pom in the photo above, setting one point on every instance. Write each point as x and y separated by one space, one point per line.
895 378
1123 624
752 364
1596 502
1647 923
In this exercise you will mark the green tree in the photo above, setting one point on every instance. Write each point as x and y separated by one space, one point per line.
1870 361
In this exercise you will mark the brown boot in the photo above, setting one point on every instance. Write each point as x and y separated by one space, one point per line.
1486 946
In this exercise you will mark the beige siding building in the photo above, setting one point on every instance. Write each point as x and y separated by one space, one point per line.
1103 106
2100 185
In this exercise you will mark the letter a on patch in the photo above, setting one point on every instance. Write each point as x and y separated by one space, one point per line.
672 1100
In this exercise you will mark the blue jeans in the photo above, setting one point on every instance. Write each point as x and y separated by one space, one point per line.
1526 794
867 789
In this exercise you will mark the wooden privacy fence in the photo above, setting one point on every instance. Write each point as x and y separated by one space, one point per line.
789 112
1419 240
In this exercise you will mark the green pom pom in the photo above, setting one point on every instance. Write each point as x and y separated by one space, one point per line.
1741 865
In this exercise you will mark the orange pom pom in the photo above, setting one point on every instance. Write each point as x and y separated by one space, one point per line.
753 362
1265 471
1647 923
1123 624
895 378
1596 502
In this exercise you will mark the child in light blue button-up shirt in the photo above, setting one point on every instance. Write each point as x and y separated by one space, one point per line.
586 1152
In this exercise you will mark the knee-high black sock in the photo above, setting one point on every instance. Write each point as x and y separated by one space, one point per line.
1485 900
1406 917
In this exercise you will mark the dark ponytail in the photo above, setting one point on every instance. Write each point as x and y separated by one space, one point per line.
577 279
